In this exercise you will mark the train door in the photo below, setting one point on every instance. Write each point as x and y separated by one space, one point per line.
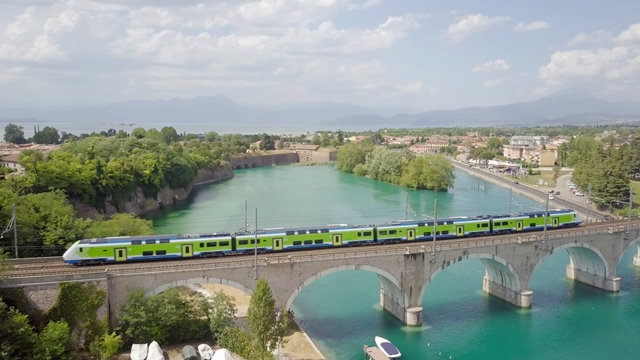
460 230
411 234
187 250
121 254
554 221
337 239
519 225
277 244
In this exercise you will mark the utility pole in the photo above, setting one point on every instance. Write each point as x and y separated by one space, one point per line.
15 228
589 201
255 250
628 217
546 213
435 226
510 199
406 207
246 221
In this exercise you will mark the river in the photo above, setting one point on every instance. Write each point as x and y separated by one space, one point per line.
340 312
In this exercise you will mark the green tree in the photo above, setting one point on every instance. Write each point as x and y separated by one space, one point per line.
350 155
316 140
48 135
211 136
432 172
267 142
222 312
340 137
119 225
190 137
5 266
54 342
139 133
262 320
14 134
169 134
16 334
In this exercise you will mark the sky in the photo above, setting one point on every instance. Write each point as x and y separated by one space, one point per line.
414 54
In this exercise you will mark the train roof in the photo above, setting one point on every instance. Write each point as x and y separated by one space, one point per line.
116 239
307 228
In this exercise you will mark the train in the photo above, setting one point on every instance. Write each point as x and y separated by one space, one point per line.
273 240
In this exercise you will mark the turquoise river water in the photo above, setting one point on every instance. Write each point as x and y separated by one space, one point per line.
340 312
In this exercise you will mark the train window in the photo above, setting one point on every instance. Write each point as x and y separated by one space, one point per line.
532 225
224 243
319 241
367 233
253 241
147 253
446 232
437 232
243 242
391 232
314 231
485 225
149 242
164 241
532 216
428 233
504 223
449 222
430 224
80 249
382 232
136 242
420 224
440 222
161 252
297 243
302 231
201 245
359 234
290 232
211 244
308 242
324 230
477 225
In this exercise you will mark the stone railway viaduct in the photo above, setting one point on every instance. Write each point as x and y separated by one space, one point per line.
404 272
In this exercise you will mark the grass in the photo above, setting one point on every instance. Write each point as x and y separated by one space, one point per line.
546 176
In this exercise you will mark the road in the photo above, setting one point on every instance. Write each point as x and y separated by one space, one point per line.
540 195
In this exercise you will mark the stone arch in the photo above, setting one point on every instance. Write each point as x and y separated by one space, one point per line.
387 281
582 256
238 167
246 166
253 165
199 280
635 242
496 268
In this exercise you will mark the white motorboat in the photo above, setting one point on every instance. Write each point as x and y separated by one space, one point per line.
387 348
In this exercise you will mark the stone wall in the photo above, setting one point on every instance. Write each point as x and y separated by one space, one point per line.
251 161
140 204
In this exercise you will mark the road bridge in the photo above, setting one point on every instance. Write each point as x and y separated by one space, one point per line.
405 271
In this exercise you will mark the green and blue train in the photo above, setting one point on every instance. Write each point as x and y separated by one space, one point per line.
160 247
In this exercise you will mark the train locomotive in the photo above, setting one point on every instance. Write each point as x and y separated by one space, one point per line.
177 246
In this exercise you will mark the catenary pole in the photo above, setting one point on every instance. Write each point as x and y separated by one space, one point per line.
255 250
15 230
628 217
435 224
546 213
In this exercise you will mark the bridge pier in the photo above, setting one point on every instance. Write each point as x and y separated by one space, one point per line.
636 257
389 302
609 283
517 298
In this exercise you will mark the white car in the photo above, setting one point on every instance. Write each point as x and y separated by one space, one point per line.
551 197
578 193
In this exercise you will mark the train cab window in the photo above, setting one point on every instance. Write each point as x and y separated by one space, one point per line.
161 252
308 242
302 231
164 241
297 243
211 244
290 232
367 233
420 224
201 245
243 242
224 243
80 249
485 225
382 232
149 242
324 231
136 242
392 232
313 231
427 233
319 241
147 253
446 232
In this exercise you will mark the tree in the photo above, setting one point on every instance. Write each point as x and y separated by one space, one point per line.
138 133
14 134
433 172
49 135
190 137
264 324
316 139
119 225
106 346
211 136
54 342
349 156
5 266
16 333
169 134
222 313
267 142
340 137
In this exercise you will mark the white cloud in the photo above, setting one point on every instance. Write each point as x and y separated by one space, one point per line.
492 83
471 24
597 37
415 87
492 65
536 25
631 35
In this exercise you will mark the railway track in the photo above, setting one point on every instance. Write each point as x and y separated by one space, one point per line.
55 266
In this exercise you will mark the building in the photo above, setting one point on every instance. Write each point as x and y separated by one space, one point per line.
11 161
305 151
528 141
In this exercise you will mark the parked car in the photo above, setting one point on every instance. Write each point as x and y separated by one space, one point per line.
551 197
557 193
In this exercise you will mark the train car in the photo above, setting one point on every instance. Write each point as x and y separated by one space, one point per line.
448 228
245 242
149 247
299 238
534 221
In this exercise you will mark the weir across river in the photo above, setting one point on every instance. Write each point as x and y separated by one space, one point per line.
405 270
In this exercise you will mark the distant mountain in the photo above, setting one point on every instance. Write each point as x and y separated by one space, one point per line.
572 106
